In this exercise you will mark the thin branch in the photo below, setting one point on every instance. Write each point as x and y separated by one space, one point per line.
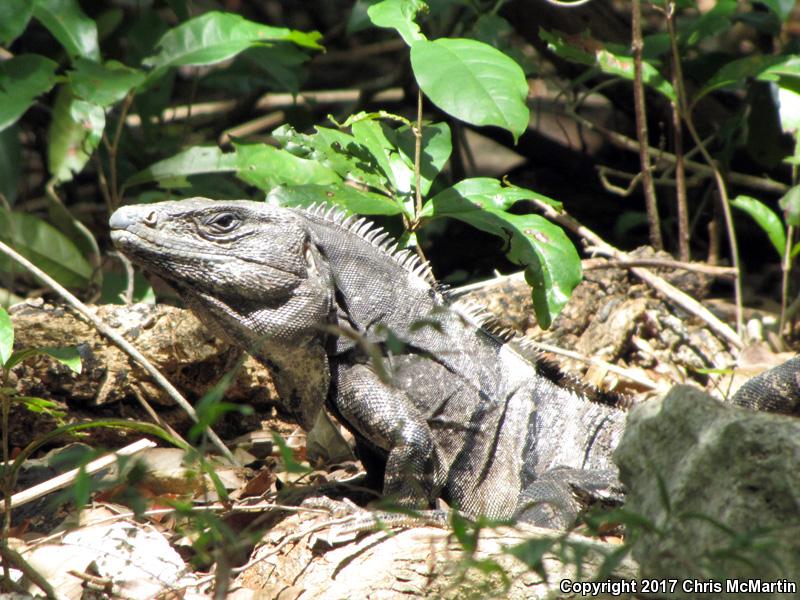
65 479
112 149
659 263
591 360
120 341
621 141
418 158
726 211
651 203
659 284
677 124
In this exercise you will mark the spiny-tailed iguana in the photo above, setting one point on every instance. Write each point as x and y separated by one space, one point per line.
463 415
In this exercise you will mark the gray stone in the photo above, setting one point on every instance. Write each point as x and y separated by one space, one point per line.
721 484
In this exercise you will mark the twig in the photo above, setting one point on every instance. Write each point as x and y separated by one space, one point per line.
262 123
112 152
677 125
591 360
13 558
156 417
675 295
269 102
621 141
295 537
65 479
418 159
120 341
786 268
637 45
660 263
633 180
726 211
588 264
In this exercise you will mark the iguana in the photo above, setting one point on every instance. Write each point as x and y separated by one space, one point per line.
451 410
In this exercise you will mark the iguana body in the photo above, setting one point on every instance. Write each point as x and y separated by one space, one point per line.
462 415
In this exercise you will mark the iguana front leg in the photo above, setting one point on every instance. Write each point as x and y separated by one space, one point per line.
387 419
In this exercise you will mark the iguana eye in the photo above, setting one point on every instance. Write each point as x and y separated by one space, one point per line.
223 223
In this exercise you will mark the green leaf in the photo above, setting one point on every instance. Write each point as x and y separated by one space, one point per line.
287 456
75 132
736 72
335 149
609 59
100 84
10 163
622 66
708 24
766 218
265 167
399 15
790 203
14 17
531 552
436 149
172 172
44 246
22 79
116 284
781 8
552 266
67 356
281 63
69 25
496 31
381 142
472 82
40 405
6 337
346 197
217 36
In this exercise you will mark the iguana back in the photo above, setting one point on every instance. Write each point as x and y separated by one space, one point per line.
316 296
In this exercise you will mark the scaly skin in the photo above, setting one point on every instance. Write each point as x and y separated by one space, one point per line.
453 412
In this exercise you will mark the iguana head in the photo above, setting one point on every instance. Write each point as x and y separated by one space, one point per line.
249 260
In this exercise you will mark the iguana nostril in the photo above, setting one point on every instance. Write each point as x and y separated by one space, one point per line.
151 219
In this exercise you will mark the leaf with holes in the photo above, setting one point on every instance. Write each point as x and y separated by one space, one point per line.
399 15
265 167
103 84
75 132
346 197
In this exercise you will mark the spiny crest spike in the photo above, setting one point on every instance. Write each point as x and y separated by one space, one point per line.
379 238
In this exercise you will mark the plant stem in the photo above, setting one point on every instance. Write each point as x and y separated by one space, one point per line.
637 44
677 111
726 212
418 161
112 153
7 491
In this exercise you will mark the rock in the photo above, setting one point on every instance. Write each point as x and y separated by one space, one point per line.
722 487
